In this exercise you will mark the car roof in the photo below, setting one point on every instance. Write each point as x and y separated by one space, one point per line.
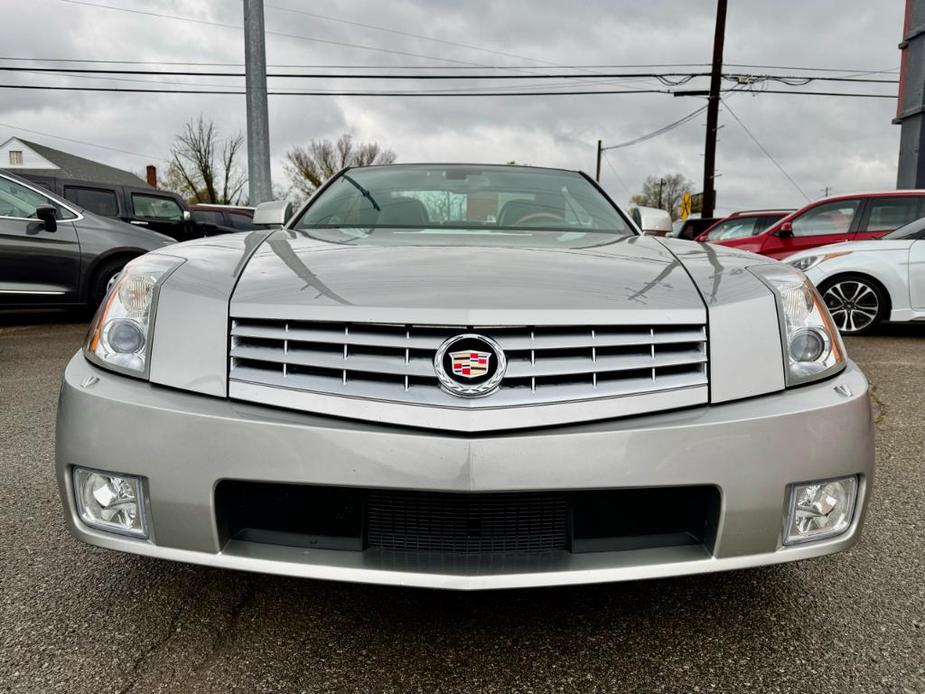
871 194
757 213
464 165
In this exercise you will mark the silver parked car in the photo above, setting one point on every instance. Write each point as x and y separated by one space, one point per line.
464 376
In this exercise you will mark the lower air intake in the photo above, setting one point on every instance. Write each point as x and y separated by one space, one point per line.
467 523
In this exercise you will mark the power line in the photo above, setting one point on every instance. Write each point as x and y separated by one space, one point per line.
450 67
671 78
616 174
418 93
811 69
278 33
407 34
430 38
799 80
330 93
442 90
765 151
188 73
807 93
239 27
655 133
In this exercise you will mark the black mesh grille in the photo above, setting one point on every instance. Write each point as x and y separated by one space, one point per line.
467 523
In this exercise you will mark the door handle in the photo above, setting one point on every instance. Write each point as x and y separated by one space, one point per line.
138 222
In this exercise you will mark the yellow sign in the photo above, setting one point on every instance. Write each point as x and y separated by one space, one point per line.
686 205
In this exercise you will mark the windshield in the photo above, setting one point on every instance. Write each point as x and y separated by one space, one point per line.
735 228
912 230
458 199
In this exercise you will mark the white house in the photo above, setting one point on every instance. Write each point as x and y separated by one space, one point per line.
32 159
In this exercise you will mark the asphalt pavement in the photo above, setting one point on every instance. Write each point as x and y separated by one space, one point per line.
75 618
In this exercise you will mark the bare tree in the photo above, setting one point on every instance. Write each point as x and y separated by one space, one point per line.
309 167
204 166
664 192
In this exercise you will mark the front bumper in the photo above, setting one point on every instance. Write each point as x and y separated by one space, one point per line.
185 444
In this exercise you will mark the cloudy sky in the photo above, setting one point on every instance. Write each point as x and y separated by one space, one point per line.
841 143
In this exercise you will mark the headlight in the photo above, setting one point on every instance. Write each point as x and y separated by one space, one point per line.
812 261
121 332
812 346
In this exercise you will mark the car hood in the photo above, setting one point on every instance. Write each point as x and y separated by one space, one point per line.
294 276
854 247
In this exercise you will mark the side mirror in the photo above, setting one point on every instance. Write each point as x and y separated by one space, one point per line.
785 231
187 215
46 214
272 214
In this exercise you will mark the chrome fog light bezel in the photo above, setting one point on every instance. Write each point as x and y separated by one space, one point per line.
86 515
793 492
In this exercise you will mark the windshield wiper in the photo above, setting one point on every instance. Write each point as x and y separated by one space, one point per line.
365 193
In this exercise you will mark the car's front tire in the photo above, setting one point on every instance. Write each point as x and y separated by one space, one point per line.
858 303
103 278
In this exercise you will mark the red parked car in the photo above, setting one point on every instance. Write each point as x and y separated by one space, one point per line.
831 220
740 225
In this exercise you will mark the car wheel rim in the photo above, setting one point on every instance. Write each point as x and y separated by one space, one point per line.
854 305
112 281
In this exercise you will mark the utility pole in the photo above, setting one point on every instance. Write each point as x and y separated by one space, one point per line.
600 151
260 188
910 109
716 78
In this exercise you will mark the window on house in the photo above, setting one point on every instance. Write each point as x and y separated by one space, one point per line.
15 157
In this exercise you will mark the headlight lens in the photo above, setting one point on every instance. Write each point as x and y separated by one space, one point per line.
812 346
806 263
121 331
812 261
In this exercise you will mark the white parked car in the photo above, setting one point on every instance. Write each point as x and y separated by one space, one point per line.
866 282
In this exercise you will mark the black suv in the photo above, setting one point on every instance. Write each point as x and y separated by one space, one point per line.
148 208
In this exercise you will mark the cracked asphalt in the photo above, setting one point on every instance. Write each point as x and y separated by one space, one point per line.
75 618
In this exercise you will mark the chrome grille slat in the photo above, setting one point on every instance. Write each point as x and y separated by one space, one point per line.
394 363
338 361
431 394
601 364
642 338
333 337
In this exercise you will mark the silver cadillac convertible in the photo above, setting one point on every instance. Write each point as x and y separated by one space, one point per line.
464 376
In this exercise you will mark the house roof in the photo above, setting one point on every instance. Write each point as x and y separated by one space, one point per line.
79 168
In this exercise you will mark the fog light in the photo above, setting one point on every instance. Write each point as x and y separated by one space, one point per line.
110 502
820 509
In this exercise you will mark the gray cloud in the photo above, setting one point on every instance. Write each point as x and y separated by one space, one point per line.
847 144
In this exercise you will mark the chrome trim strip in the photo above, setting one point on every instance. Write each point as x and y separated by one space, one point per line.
470 420
25 291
